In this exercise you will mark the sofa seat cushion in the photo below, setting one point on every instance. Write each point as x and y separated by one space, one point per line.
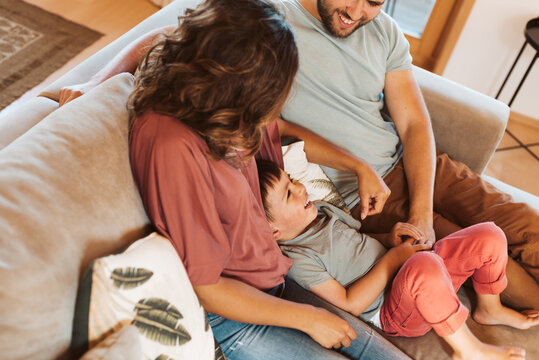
67 196
146 285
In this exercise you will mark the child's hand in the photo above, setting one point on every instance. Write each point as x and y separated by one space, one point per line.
406 250
403 231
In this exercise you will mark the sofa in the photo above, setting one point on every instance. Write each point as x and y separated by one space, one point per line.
67 200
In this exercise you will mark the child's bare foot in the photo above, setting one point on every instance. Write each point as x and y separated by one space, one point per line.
466 346
502 315
491 352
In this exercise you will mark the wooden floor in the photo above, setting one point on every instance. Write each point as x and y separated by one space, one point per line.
516 161
512 163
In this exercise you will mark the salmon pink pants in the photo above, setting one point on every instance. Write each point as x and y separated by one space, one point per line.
423 294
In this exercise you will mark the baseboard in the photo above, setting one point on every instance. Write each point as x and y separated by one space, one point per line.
516 117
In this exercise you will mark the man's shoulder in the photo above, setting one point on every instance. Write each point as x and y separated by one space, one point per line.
280 4
383 23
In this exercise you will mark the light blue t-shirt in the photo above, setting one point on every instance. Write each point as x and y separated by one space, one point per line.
334 248
338 90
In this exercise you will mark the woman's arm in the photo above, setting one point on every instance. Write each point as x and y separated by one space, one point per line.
238 301
126 60
372 189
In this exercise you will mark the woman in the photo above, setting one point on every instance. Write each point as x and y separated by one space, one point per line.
203 105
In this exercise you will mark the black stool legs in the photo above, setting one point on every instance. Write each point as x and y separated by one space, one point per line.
523 78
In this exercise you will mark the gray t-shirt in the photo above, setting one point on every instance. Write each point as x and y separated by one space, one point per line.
334 248
338 91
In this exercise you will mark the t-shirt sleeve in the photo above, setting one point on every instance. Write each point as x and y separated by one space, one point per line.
176 185
398 57
306 271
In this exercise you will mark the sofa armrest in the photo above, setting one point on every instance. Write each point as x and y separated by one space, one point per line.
467 125
517 194
16 121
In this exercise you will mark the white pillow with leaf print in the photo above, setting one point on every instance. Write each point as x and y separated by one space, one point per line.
317 184
147 285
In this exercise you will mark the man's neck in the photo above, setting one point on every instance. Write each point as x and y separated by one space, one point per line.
311 7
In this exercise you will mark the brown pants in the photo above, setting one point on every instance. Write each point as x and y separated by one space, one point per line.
463 198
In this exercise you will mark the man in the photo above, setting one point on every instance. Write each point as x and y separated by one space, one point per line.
353 61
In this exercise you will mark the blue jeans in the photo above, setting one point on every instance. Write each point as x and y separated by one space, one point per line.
241 341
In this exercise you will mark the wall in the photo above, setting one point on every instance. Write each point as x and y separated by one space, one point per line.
487 47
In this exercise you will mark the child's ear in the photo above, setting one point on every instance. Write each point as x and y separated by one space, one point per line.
277 233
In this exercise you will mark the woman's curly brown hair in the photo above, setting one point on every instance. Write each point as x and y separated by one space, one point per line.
225 71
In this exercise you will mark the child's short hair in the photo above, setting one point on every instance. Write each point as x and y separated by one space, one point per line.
269 173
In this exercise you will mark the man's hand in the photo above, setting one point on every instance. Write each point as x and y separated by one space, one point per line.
403 231
425 226
373 191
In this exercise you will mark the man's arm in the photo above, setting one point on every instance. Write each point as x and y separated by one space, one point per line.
408 111
372 189
126 60
238 301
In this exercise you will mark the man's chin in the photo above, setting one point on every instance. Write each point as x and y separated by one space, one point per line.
339 32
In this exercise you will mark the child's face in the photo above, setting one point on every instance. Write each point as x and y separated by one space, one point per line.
291 211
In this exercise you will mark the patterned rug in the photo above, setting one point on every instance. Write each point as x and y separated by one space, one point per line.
33 44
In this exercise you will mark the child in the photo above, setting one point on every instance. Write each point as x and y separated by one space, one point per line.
351 270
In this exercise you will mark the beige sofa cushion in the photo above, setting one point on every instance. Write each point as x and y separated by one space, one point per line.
67 196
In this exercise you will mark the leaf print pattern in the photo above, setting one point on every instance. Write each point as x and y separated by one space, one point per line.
332 197
157 319
219 354
130 277
163 357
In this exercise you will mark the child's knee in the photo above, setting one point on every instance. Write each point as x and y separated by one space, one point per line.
492 238
424 268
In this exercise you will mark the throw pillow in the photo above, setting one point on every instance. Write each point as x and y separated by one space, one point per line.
120 345
317 184
147 286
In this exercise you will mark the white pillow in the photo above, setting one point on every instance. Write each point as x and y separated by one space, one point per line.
148 286
123 344
317 184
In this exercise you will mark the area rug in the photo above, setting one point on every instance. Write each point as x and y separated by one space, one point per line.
33 44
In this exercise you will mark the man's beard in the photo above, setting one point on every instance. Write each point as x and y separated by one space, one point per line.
326 14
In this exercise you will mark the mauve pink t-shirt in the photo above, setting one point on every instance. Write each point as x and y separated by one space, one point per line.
211 211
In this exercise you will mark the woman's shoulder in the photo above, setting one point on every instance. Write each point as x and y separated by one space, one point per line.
164 132
166 142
